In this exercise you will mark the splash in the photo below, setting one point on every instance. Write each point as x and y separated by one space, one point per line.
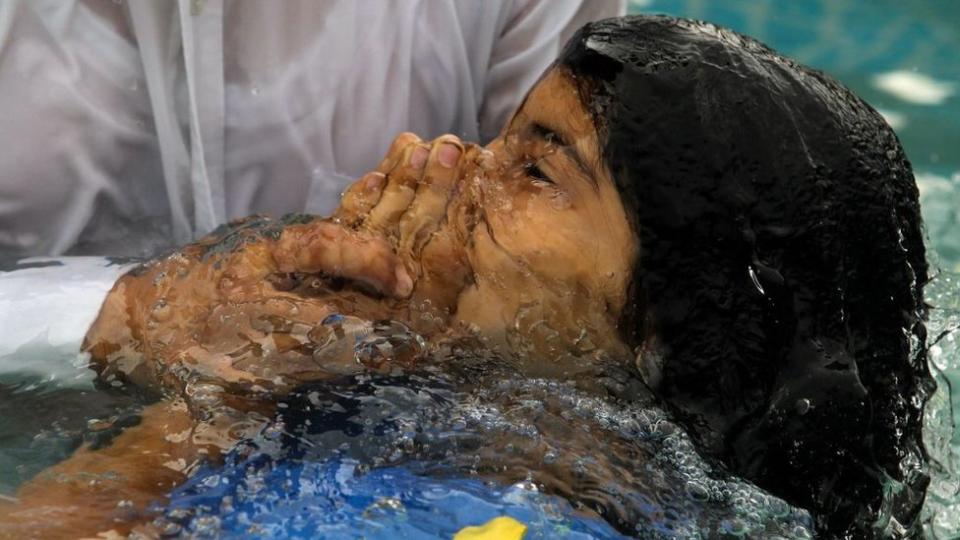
941 513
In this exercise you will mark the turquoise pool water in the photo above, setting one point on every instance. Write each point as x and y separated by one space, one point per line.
903 57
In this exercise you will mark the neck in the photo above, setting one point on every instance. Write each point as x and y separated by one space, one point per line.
552 334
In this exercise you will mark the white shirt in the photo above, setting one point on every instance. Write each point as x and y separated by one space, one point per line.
128 126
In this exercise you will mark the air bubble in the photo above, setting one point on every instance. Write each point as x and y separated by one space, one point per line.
697 491
388 343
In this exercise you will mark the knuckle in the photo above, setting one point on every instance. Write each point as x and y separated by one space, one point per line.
404 139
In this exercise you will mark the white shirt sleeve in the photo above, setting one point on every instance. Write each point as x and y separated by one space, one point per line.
533 36
46 306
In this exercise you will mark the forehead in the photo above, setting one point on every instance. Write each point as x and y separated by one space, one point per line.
555 102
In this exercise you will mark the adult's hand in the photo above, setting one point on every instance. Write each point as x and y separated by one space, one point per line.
238 306
406 197
408 200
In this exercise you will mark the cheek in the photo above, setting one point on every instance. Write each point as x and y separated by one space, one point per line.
540 231
544 233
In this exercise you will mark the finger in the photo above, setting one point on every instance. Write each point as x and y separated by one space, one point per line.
400 190
360 198
433 192
333 249
395 152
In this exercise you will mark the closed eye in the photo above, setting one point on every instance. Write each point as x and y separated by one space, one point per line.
534 171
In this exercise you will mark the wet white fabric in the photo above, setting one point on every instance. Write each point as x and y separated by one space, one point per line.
134 125
46 307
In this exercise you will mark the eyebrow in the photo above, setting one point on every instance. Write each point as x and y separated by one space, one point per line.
548 134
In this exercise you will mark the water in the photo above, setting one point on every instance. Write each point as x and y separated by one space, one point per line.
942 508
901 56
42 421
460 442
419 448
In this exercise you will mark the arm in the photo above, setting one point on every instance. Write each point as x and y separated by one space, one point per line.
241 292
109 488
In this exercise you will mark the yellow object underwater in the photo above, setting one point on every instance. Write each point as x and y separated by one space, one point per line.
499 528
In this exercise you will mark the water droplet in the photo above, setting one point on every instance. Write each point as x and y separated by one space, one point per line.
938 358
755 280
206 526
389 342
180 514
527 485
166 528
160 311
733 527
273 431
387 503
802 406
560 201
97 424
584 343
204 395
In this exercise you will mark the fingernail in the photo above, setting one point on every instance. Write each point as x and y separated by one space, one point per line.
404 283
448 155
419 157
374 180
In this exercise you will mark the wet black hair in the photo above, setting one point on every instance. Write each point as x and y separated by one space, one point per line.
781 264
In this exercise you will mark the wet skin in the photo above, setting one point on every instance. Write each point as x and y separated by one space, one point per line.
526 236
